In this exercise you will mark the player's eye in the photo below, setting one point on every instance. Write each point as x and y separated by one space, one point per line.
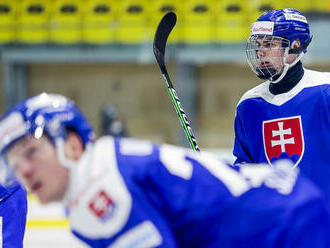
267 44
30 152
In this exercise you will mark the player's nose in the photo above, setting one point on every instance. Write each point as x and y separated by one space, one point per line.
261 52
24 169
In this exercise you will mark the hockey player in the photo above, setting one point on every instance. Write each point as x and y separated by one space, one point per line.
287 116
129 193
13 210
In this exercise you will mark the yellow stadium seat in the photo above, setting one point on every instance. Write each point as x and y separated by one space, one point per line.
7 21
99 23
198 23
33 21
232 21
66 22
133 23
258 7
301 5
159 9
321 6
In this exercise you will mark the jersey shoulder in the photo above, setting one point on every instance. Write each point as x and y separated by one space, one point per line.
256 92
311 78
104 208
321 77
315 78
100 201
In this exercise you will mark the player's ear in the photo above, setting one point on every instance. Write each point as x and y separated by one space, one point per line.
295 44
74 147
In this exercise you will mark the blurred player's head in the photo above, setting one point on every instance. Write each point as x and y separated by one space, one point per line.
40 138
279 38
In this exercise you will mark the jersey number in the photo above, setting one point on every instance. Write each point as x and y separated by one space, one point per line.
237 182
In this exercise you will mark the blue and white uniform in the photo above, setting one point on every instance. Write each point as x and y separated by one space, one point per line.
294 125
135 194
13 210
128 193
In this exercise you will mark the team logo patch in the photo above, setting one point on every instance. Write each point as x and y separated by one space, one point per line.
283 138
102 205
262 27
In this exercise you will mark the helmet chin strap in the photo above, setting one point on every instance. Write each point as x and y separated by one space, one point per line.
286 66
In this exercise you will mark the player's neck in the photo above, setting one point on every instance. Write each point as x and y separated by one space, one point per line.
289 81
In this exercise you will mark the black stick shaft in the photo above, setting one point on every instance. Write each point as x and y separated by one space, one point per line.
182 115
163 31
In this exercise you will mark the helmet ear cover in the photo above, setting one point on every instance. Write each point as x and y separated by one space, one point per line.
301 48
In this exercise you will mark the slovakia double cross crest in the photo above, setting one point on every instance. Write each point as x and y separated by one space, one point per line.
283 139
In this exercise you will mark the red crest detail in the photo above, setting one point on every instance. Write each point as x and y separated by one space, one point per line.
101 204
283 136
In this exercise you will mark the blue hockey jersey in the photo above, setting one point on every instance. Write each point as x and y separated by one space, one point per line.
129 193
294 125
13 210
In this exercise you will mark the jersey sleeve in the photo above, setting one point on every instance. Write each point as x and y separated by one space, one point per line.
202 191
174 191
279 210
13 210
241 148
264 218
311 218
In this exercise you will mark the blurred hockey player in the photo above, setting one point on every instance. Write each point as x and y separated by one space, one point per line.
288 115
128 193
112 122
13 211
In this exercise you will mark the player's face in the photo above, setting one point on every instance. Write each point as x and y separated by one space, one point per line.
270 53
36 164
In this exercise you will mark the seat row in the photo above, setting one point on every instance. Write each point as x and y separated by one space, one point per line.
134 21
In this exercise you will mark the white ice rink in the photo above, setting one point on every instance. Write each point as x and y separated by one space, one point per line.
48 227
51 238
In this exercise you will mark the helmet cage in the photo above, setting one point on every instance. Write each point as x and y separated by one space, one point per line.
266 55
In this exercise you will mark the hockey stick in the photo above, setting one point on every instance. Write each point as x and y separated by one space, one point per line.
163 31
